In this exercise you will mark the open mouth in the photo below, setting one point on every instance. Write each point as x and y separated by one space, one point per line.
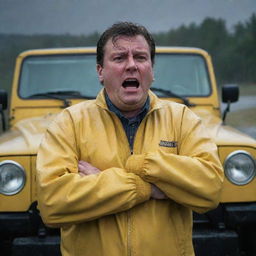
131 82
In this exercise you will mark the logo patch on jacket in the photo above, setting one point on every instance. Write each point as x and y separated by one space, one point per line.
168 144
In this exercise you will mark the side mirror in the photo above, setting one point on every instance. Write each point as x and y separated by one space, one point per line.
3 106
230 94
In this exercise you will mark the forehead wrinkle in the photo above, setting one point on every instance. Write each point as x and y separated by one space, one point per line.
125 49
129 39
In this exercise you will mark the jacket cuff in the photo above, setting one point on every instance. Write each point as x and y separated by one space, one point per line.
143 189
135 163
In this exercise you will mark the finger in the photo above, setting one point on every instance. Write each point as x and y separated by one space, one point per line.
81 167
83 170
84 164
81 174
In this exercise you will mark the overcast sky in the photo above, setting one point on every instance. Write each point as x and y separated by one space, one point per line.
87 16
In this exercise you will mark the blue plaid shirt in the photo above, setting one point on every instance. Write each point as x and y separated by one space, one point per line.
130 125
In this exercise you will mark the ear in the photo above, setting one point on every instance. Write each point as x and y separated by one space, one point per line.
100 72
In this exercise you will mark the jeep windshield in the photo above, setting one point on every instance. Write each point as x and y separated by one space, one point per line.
181 74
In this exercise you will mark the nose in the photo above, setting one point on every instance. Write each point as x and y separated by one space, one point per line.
131 64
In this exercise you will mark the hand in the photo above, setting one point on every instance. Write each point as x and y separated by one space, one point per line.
157 193
85 168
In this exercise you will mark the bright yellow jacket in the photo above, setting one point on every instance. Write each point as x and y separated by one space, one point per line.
111 214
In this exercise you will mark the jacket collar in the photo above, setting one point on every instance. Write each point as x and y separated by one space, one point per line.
155 102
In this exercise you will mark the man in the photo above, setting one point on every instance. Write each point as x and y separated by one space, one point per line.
120 175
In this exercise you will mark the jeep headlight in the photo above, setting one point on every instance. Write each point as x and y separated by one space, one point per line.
12 177
240 167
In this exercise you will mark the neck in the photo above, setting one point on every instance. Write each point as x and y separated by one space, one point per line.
130 114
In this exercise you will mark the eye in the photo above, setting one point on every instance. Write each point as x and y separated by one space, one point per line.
141 57
118 58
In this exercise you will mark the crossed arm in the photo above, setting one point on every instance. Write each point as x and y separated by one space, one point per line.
85 168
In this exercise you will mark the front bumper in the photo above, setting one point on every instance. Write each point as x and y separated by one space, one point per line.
227 230
13 224
241 214
231 216
36 246
216 243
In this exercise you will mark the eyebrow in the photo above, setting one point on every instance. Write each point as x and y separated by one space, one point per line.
124 51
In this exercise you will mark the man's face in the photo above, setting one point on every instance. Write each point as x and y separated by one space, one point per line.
127 72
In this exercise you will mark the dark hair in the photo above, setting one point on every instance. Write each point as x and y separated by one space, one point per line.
124 29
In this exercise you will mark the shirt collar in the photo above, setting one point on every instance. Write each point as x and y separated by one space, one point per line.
114 109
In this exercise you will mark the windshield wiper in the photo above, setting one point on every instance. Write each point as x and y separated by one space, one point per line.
172 94
62 95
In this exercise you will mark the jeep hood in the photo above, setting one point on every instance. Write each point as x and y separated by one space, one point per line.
224 135
25 136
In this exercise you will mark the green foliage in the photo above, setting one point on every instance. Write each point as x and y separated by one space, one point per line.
233 53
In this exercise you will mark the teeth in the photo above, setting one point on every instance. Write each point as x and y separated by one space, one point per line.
132 80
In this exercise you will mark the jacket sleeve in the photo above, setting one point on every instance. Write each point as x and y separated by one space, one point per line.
65 197
194 176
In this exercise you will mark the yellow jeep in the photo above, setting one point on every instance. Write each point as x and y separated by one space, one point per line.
48 80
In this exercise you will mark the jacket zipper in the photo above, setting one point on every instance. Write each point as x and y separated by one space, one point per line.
129 234
129 224
129 216
129 221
